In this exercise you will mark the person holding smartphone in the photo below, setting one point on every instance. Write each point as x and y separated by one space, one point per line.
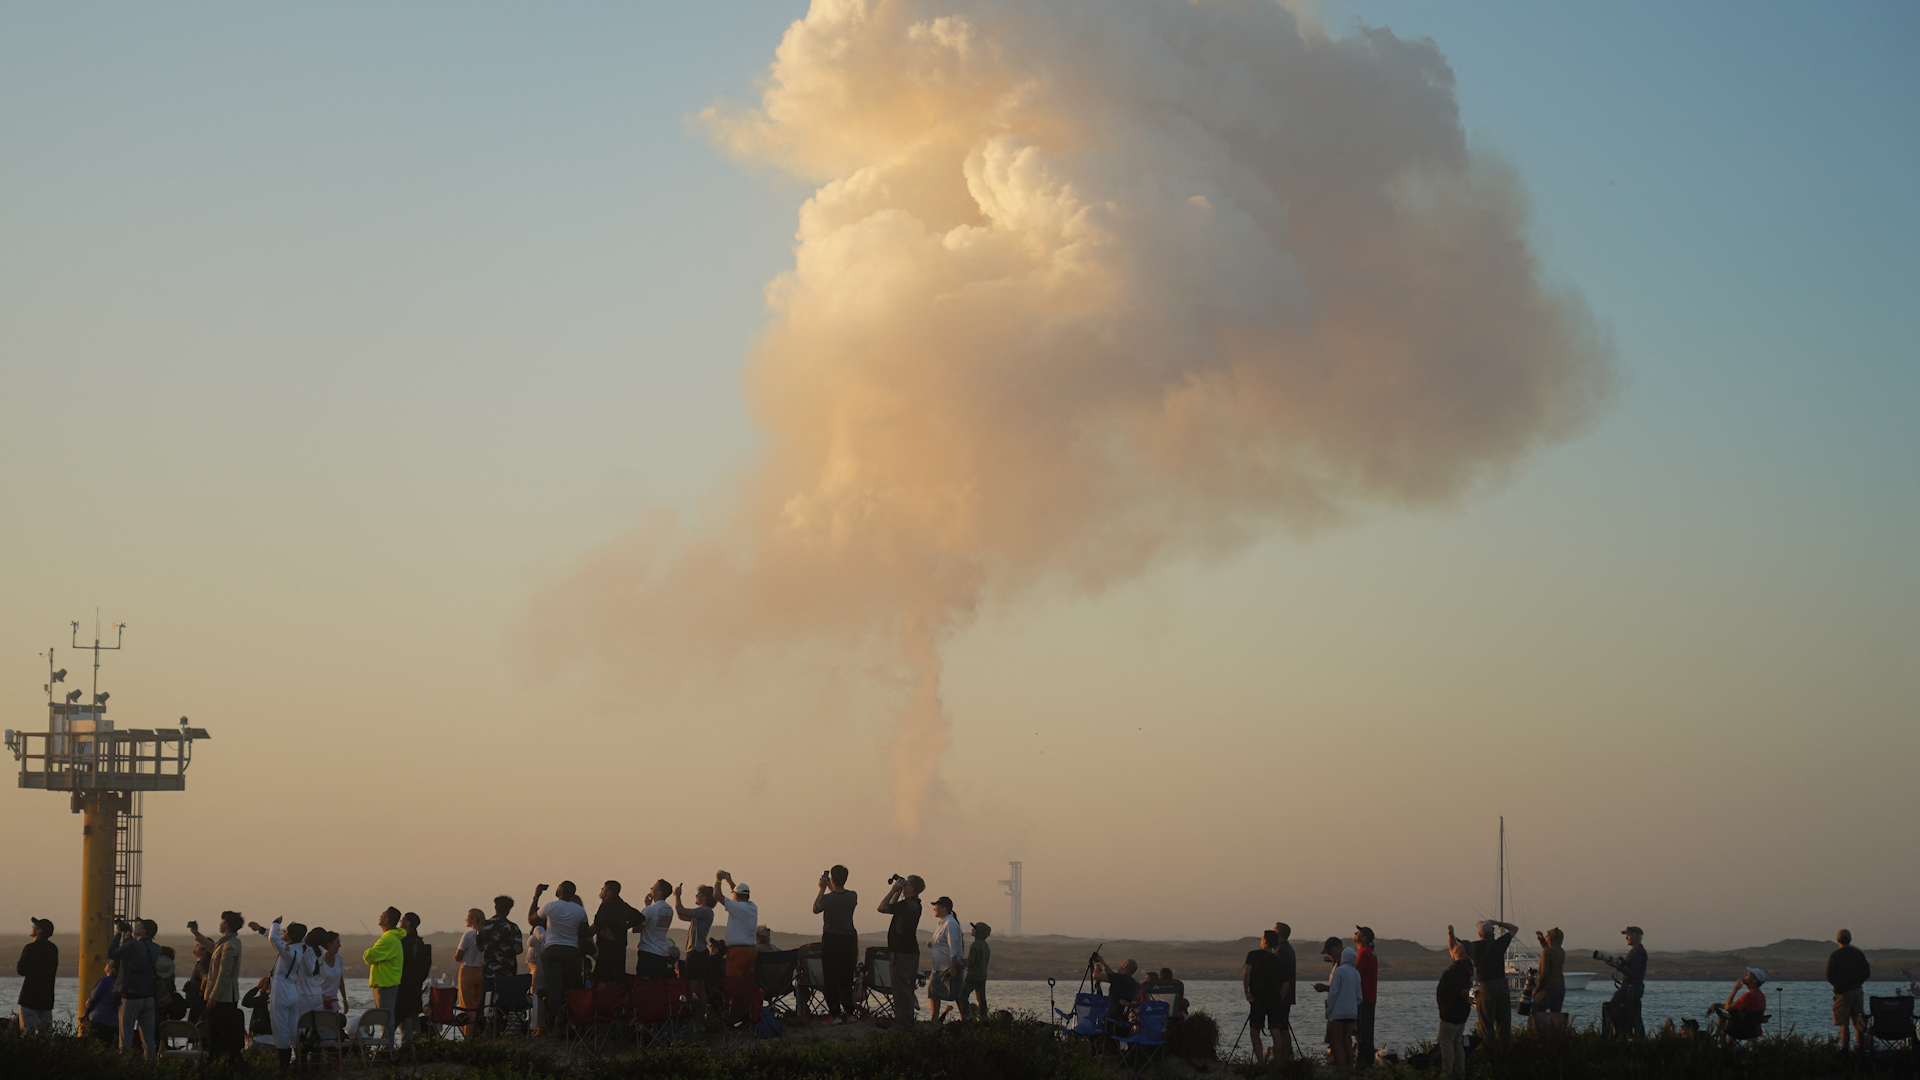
839 942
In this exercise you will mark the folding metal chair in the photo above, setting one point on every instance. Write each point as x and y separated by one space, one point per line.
373 1033
775 971
179 1039
1149 1036
876 982
320 1033
1890 1021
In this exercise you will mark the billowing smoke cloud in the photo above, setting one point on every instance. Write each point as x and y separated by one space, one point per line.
1087 285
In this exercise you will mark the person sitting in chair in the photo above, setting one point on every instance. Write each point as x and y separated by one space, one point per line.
1745 1006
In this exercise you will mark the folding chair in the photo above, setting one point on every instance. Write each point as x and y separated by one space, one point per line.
1088 1020
743 1000
1171 991
1890 1021
443 1010
509 1001
810 980
322 1032
1149 1036
612 1010
876 982
179 1039
652 1017
581 1029
686 1000
373 1033
1740 1025
776 971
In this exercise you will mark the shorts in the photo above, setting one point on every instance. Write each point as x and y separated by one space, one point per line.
1847 1007
1268 1016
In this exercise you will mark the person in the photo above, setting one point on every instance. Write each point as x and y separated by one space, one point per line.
260 1020
564 918
536 944
1260 981
763 939
386 962
39 964
472 970
839 942
1489 955
164 999
1368 965
226 1028
103 1011
416 964
1123 992
902 902
1745 997
135 954
1289 970
1848 972
296 981
949 964
195 994
1633 985
700 922
1454 995
1550 989
611 921
743 924
333 973
654 957
973 992
1343 1007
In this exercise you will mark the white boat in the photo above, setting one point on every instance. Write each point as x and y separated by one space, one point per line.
1521 962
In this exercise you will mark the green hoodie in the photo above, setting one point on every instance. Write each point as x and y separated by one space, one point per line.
383 960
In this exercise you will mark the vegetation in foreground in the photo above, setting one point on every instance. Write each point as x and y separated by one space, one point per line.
1004 1049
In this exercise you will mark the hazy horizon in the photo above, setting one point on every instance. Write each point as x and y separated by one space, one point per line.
1222 461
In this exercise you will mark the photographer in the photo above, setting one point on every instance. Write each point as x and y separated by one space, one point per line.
839 942
137 957
743 926
903 942
1632 977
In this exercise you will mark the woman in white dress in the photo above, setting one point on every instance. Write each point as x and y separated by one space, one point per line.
333 973
296 982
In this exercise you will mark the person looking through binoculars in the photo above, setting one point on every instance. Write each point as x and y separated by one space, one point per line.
903 942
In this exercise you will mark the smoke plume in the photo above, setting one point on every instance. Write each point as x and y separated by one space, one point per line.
1087 285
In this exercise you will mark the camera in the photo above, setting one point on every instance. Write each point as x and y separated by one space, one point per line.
1610 961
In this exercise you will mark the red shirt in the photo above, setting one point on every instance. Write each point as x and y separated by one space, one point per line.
1369 966
1752 1001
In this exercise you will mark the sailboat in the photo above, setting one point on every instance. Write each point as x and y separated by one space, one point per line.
1522 961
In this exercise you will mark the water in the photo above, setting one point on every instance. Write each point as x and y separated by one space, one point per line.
1406 1015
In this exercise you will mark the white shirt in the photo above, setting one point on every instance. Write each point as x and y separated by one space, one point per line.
947 943
564 920
743 921
657 928
469 949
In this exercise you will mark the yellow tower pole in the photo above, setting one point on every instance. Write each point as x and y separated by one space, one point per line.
100 813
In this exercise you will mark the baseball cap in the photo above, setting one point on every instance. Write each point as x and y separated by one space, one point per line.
945 901
982 929
1365 932
1634 930
1759 974
743 888
41 924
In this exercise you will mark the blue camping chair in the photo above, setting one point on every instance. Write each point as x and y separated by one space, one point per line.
1149 1036
1088 1019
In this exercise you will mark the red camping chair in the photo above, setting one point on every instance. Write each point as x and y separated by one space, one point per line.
443 1010
743 1000
687 998
579 1024
652 1010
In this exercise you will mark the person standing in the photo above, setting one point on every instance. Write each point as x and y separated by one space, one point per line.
949 965
699 918
1848 972
743 923
1454 995
975 987
499 941
416 964
1368 964
902 902
654 957
39 964
565 919
1633 985
1489 954
1550 990
195 995
1343 1007
472 970
1260 982
103 1011
296 981
136 957
226 1027
839 942
333 974
536 944
1289 969
611 921
386 962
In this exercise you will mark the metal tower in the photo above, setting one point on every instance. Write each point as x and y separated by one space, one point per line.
1012 885
105 774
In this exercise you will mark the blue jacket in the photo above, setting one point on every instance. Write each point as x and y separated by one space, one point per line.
135 959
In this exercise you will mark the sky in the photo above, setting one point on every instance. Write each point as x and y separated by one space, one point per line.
338 348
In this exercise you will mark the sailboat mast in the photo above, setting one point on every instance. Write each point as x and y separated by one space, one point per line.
1503 868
